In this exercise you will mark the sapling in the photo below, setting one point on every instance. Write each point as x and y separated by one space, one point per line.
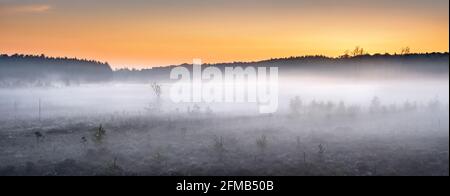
99 134
321 151
299 146
113 168
158 92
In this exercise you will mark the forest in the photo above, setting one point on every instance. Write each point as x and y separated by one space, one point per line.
39 71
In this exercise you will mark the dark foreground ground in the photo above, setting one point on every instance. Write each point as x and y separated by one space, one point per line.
411 143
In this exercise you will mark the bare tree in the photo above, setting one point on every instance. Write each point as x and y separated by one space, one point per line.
157 90
345 55
406 50
358 51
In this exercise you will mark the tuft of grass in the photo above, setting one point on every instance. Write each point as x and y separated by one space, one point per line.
99 134
321 149
219 145
113 169
262 143
38 136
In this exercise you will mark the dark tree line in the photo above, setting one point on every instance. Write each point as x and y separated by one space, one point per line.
40 70
359 64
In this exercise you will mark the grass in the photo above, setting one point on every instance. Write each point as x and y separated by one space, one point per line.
262 143
286 146
99 134
219 147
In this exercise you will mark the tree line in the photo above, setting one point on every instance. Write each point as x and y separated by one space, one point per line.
41 70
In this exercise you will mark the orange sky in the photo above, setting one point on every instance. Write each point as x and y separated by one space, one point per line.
148 33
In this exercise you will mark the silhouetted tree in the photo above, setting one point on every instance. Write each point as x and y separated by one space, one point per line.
358 51
406 51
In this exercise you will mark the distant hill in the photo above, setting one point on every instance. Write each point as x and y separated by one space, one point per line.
31 70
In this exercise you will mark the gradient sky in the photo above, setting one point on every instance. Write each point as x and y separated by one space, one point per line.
142 33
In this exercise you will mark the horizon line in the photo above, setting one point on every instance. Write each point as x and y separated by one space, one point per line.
229 62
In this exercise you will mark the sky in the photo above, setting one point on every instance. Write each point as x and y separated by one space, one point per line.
146 33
